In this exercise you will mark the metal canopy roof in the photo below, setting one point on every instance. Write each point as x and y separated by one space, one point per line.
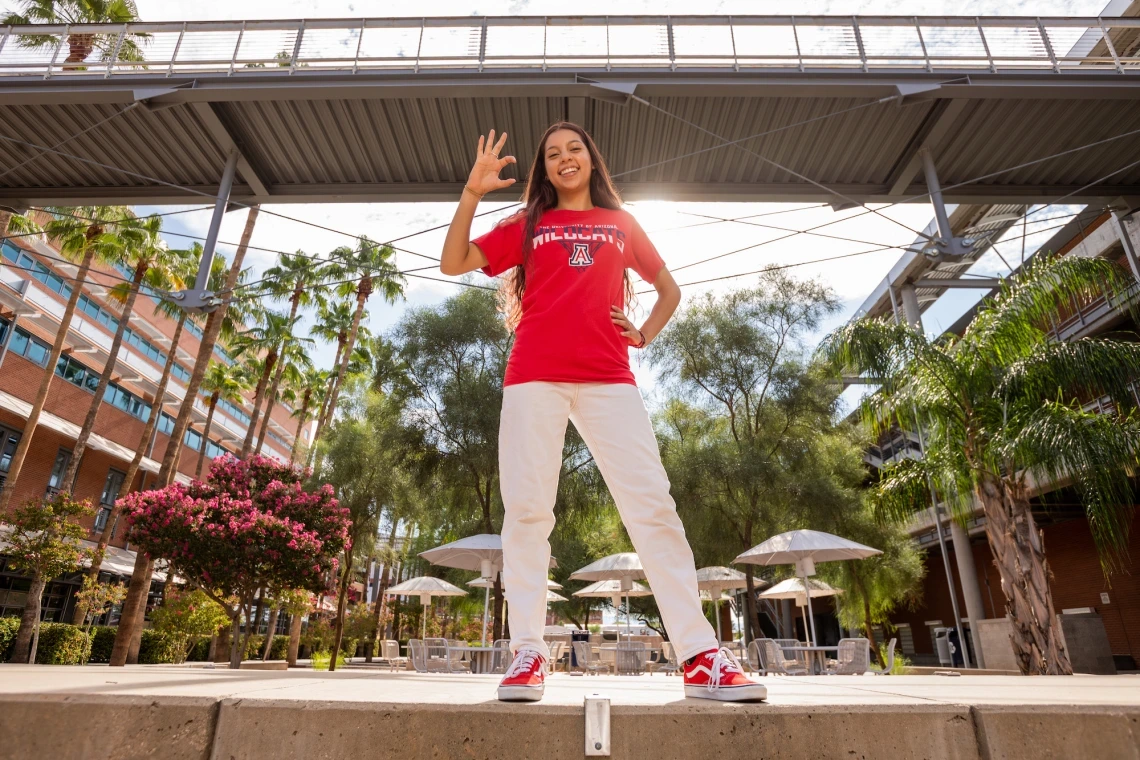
389 109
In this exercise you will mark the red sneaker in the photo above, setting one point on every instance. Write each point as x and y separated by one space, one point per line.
716 674
525 678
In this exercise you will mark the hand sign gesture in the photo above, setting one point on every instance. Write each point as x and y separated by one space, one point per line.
485 174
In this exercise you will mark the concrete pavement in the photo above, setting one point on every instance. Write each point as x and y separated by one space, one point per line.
178 712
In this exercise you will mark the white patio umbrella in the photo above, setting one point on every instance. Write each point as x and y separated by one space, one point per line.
553 597
624 568
716 580
426 587
793 588
613 590
803 548
482 552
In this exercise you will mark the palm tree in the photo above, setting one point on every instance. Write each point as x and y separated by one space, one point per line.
291 365
1001 407
375 266
81 46
175 276
84 234
301 280
144 250
308 394
223 382
263 341
130 624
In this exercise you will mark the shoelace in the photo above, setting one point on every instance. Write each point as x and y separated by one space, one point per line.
523 662
723 662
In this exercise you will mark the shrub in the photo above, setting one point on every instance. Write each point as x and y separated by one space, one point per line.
253 647
321 660
102 641
200 651
157 648
8 628
348 646
280 648
61 644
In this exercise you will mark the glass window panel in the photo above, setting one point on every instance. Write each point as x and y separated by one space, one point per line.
11 440
38 353
19 343
111 487
62 459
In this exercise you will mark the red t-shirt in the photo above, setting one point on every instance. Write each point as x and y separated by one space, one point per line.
573 276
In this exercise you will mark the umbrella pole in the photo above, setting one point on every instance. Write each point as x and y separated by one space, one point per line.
811 615
716 611
628 635
486 601
425 622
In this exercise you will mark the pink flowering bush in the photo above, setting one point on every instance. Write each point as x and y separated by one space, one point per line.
250 525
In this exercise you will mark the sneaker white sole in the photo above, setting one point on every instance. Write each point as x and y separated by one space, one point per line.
520 693
751 693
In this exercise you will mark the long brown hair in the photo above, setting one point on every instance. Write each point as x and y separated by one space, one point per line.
539 196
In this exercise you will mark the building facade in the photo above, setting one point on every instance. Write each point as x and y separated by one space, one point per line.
35 283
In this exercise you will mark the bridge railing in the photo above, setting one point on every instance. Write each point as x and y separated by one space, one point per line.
803 43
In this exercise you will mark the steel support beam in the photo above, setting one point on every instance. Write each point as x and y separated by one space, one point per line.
914 320
948 243
971 590
942 123
227 143
200 298
1128 244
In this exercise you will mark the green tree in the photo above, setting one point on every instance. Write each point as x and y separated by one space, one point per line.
44 543
186 616
362 461
223 382
142 251
95 598
306 395
737 435
292 364
454 356
82 12
1001 407
84 234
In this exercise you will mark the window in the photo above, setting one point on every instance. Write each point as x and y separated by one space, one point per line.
9 439
111 488
193 439
62 459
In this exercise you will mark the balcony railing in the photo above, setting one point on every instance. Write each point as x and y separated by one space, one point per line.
860 43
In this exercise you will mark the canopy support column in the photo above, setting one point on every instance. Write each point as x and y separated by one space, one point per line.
947 244
200 299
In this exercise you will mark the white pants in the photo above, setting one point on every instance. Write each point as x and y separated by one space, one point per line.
613 422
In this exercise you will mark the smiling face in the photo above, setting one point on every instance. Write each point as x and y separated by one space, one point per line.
568 162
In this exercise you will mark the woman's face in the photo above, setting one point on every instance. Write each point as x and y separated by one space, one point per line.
568 163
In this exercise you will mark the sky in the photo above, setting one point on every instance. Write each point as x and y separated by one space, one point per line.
679 231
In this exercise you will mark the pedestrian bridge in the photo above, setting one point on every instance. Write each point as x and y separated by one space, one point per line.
750 108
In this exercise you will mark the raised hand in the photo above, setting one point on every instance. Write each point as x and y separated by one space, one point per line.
484 176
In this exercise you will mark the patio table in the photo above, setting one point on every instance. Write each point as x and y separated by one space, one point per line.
481 658
815 656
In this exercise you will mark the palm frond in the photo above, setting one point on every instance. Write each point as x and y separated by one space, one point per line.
1060 442
903 490
1099 367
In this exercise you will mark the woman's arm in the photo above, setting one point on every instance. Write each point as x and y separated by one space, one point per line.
668 298
460 255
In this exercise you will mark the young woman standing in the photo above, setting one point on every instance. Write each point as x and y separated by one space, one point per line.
566 254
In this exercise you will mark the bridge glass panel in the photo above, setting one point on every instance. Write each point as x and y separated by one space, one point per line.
206 51
576 45
451 45
519 45
836 43
955 46
892 46
766 45
388 46
696 44
329 47
265 48
1017 46
641 45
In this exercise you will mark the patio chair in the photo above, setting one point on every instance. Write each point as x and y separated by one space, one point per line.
800 657
418 654
455 661
669 663
630 657
556 650
890 661
501 656
390 653
853 658
437 657
588 660
754 656
776 664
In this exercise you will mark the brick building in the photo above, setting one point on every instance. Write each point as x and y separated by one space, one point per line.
34 288
1079 584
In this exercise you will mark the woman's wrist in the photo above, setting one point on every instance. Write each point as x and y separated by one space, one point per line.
467 189
644 342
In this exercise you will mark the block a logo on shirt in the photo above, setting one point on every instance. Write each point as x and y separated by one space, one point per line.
580 257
